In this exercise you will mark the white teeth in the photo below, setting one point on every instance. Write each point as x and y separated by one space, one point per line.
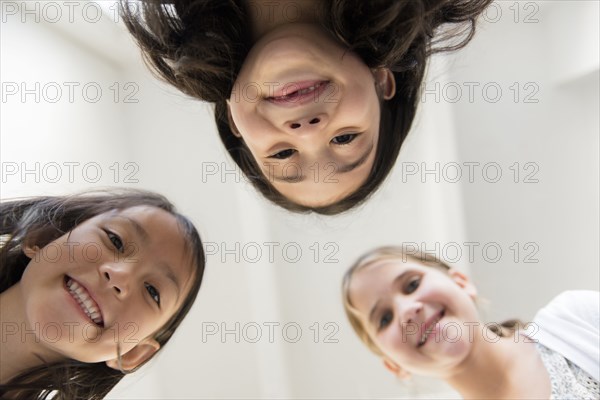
428 331
307 90
301 91
87 304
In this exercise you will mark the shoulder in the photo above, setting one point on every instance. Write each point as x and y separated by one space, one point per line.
570 325
574 304
569 315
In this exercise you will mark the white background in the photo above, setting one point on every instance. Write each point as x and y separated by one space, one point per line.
542 55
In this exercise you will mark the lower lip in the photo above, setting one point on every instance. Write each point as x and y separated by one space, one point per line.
434 332
303 98
75 303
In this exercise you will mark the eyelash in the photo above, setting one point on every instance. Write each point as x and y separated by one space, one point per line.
116 240
289 152
408 288
383 324
279 155
352 137
150 289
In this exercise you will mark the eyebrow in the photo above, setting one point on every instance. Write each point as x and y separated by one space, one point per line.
376 305
342 170
139 229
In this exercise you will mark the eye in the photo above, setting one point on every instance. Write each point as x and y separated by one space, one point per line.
153 292
346 138
412 285
385 320
282 155
115 240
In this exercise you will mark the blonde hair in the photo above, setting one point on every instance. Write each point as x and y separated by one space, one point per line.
503 329
378 254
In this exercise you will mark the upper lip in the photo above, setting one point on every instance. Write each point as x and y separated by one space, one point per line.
314 92
428 326
92 295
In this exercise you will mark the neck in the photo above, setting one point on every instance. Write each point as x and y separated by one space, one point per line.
20 344
267 15
495 370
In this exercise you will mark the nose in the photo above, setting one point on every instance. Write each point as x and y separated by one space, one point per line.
307 124
117 277
410 311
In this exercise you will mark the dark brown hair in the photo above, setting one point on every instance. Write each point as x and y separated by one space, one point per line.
41 220
199 47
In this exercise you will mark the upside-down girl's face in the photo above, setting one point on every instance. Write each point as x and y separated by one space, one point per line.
117 277
420 317
309 112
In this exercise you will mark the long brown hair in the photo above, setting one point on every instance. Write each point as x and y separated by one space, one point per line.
199 47
39 221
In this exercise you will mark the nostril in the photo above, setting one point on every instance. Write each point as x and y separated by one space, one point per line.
314 121
117 289
295 126
107 276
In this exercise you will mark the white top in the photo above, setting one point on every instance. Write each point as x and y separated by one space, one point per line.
570 325
567 380
568 335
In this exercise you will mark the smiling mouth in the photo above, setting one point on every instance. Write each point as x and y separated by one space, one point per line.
302 93
85 301
430 328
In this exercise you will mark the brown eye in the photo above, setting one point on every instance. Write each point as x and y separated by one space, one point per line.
344 139
412 285
153 292
115 240
282 155
385 320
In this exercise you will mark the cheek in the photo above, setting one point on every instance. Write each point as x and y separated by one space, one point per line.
247 121
361 106
135 325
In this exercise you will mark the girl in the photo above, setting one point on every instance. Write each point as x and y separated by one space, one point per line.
91 287
420 316
313 99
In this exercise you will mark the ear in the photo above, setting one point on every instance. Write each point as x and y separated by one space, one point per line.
395 369
136 356
30 251
384 79
234 128
463 281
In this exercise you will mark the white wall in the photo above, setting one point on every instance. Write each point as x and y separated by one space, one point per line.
552 124
172 143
